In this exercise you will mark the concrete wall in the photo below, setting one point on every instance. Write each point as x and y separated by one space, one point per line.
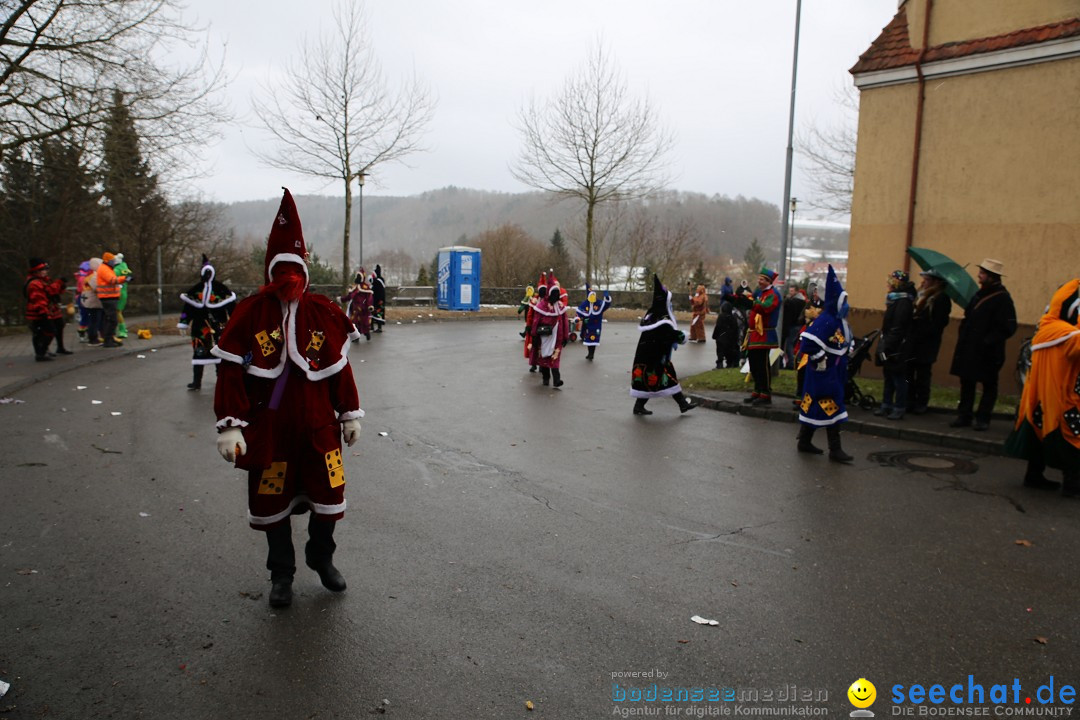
958 20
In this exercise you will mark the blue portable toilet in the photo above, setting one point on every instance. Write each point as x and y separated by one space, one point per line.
459 278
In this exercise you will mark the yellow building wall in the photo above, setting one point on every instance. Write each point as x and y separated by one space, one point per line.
958 20
999 177
882 182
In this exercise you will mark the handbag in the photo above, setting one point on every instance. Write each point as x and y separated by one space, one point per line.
544 330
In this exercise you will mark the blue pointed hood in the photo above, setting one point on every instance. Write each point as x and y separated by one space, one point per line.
835 296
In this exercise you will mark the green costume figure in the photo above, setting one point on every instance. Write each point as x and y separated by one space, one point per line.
122 269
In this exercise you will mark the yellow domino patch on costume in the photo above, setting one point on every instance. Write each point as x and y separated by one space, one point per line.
334 469
829 406
265 345
807 401
273 479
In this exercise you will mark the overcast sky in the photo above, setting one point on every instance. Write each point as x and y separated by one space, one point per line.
718 71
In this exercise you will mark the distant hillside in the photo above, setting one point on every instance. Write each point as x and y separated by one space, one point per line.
420 224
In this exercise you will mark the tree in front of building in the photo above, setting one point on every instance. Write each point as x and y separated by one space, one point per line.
753 260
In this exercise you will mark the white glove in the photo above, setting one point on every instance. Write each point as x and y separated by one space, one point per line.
231 443
350 431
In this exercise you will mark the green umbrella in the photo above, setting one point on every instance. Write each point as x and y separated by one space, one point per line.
958 282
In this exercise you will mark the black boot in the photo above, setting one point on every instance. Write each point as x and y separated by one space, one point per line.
1033 476
545 375
806 436
1071 487
639 407
592 351
281 562
685 404
836 452
196 381
319 553
556 378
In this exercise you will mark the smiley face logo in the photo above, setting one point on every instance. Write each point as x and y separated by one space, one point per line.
862 693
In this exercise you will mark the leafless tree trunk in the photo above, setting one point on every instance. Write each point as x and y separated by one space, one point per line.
593 142
61 60
335 117
828 155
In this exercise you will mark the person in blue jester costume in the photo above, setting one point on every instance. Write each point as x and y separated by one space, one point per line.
825 344
591 314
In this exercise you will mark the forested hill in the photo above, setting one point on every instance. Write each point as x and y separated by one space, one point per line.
420 224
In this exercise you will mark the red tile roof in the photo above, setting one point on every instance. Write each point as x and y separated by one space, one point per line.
892 49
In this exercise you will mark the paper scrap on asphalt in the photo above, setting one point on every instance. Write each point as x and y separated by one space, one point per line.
95 402
4 687
114 413
80 387
141 357
144 514
11 401
383 434
704 621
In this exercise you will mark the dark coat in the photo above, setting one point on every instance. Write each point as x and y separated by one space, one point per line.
928 323
989 320
894 331
726 332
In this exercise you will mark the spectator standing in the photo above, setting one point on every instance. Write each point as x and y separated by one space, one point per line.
123 271
92 303
699 310
727 291
989 320
726 335
761 336
929 319
41 293
892 355
791 323
80 284
108 291
1047 430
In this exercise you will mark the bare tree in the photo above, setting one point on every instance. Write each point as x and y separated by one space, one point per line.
828 155
61 61
335 116
512 257
593 142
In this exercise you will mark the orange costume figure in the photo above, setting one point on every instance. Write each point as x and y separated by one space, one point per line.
285 399
699 307
1047 430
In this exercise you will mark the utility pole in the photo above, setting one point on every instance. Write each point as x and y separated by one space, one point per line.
790 149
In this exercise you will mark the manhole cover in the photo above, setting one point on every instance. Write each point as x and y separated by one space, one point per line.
947 463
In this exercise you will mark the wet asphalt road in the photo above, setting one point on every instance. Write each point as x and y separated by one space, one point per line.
504 543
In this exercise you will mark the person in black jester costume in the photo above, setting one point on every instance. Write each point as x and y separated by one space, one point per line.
285 398
378 300
207 306
653 374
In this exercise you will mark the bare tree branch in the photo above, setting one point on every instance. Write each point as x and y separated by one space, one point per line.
828 155
335 117
593 142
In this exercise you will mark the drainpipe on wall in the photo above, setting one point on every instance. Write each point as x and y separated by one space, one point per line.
918 135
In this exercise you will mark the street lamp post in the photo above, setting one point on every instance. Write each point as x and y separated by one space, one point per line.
790 134
360 179
791 238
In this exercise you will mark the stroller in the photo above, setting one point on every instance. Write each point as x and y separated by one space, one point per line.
860 350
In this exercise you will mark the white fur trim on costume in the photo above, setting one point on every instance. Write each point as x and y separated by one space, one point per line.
228 422
182 326
1052 343
666 392
351 415
665 321
821 343
213 361
288 257
355 334
823 423
315 508
299 360
560 309
222 303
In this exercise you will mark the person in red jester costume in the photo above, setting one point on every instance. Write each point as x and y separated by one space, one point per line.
285 398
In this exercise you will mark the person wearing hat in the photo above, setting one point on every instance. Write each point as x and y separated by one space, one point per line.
42 295
825 345
285 399
929 318
591 312
378 299
207 306
1047 430
892 351
550 331
108 291
122 271
761 336
653 374
357 304
989 320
